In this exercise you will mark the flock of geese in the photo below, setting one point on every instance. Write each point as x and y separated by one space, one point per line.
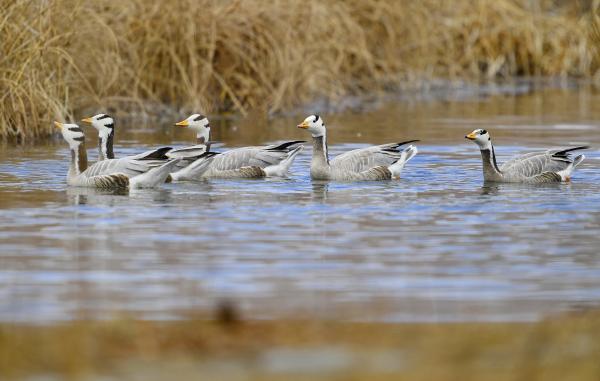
383 162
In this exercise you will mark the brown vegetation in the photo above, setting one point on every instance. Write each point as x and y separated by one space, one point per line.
57 57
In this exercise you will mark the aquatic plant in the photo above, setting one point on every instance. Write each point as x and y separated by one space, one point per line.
59 57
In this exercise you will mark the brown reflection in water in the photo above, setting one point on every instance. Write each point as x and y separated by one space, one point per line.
524 119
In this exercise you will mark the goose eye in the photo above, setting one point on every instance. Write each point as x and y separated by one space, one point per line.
316 118
483 132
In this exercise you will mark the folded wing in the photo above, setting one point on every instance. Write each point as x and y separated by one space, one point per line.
536 163
361 159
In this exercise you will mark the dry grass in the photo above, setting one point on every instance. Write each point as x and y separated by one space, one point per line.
562 348
60 56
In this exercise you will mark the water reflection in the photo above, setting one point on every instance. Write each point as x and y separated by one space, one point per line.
319 190
80 196
516 189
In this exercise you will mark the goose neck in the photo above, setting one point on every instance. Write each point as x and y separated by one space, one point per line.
105 146
491 171
203 136
320 155
78 160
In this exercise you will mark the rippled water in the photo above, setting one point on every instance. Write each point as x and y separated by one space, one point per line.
438 245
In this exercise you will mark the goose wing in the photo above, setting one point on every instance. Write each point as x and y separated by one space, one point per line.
188 155
155 154
260 157
187 152
536 163
126 166
361 159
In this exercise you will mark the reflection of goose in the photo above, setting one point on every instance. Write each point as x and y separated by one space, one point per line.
105 125
247 162
111 173
113 196
319 190
381 162
534 168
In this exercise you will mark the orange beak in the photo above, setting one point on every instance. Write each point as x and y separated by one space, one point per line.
303 125
183 123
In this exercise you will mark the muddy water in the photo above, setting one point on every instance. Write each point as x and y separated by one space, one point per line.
439 245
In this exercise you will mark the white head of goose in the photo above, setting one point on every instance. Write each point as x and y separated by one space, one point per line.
200 125
549 166
247 162
110 173
382 162
74 136
105 125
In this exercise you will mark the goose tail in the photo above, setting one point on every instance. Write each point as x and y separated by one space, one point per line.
578 160
196 169
153 177
565 174
281 169
407 154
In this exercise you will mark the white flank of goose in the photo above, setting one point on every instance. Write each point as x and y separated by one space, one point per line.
110 173
105 125
248 162
383 162
548 166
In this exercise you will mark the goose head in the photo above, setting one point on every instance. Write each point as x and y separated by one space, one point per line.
314 124
72 134
481 138
198 123
105 124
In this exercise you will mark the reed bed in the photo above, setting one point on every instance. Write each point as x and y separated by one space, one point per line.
58 57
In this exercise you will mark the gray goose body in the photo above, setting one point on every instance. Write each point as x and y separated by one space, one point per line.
250 161
382 162
110 173
246 162
550 166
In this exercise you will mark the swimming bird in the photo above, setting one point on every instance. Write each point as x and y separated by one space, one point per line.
247 162
111 173
382 162
105 125
548 166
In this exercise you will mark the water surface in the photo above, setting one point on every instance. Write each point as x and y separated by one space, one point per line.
438 245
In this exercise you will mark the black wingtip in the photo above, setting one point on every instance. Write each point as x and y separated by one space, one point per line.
286 145
566 151
209 154
407 142
159 154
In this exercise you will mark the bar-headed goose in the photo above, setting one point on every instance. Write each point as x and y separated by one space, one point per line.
548 166
247 162
105 125
381 162
111 173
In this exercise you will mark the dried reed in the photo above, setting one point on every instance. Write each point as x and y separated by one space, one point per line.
57 57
